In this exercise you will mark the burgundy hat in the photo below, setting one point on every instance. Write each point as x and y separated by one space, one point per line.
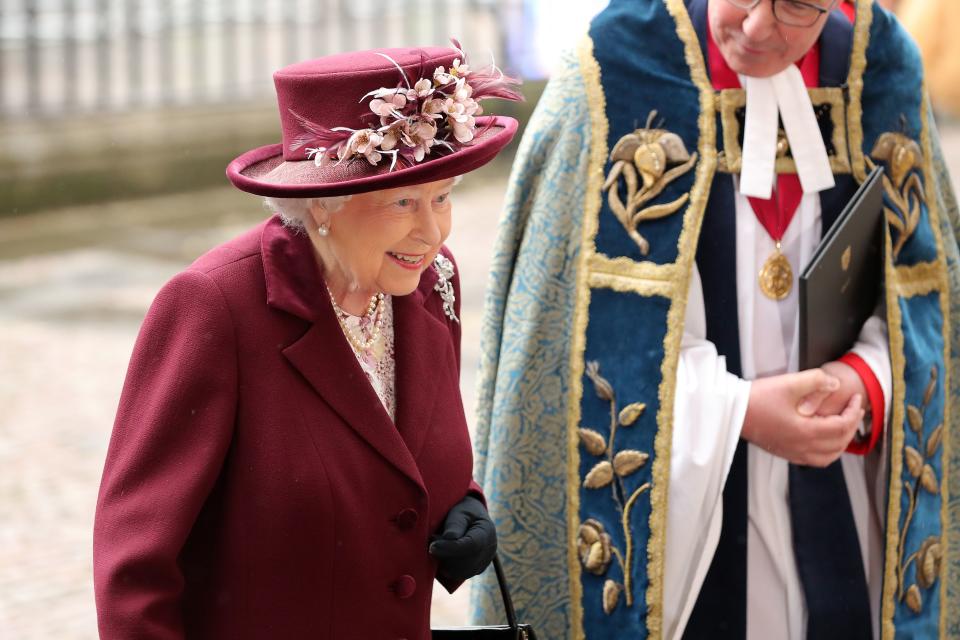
377 119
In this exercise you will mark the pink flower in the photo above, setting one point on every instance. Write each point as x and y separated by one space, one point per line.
462 91
419 134
460 119
459 70
441 77
463 131
392 135
460 110
364 142
452 108
422 89
433 108
388 103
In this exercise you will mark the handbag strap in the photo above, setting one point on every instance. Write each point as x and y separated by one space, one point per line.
507 601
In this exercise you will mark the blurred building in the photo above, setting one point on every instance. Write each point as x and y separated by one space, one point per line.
114 98
935 25
81 56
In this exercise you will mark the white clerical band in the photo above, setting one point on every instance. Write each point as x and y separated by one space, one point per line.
759 138
769 99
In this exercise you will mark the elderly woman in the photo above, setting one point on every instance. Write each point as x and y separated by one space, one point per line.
290 457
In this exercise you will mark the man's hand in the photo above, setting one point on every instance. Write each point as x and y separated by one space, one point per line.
774 423
831 403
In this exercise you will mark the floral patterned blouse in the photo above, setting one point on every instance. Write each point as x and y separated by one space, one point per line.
378 362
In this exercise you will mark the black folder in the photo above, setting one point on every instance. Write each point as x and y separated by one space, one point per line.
840 288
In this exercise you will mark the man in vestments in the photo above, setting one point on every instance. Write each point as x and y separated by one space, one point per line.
656 463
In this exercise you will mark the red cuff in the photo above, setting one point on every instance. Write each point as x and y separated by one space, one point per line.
875 397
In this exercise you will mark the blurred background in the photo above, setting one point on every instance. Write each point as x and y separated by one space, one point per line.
117 119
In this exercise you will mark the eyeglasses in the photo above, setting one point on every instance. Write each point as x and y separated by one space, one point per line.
793 13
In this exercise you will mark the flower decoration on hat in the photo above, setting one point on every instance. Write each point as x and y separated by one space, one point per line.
432 116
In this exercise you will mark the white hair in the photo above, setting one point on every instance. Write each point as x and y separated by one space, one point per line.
295 212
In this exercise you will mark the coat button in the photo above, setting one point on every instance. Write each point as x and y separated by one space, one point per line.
406 519
404 586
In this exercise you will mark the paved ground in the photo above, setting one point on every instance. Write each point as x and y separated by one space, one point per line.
74 285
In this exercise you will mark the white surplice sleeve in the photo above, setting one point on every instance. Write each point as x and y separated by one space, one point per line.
873 346
708 413
866 476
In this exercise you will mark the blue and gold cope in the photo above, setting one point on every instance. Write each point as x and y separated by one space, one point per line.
616 190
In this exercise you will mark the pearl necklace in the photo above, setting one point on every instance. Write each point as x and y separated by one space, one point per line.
373 315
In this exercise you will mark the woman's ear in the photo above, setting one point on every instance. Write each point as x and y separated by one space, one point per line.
320 215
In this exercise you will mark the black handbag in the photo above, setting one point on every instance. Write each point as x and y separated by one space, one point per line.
510 631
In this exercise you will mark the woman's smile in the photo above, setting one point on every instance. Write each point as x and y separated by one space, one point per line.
412 261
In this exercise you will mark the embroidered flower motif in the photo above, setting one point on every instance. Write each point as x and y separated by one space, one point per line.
444 286
433 115
617 470
594 547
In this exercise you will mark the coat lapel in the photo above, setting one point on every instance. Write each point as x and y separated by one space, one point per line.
420 342
322 355
326 360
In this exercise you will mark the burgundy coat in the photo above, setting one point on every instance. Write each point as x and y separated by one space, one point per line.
254 486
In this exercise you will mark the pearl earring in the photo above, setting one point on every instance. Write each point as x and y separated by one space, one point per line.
323 229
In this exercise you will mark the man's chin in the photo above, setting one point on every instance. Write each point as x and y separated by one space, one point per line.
755 70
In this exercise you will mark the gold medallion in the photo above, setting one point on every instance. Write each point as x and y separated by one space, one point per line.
776 276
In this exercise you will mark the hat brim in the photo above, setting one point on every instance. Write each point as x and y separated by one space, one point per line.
264 172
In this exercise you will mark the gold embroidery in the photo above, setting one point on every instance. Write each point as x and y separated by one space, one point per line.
918 279
928 557
732 100
590 70
626 284
687 246
897 367
611 595
595 547
626 275
631 412
858 64
691 224
650 152
901 183
928 562
933 209
686 251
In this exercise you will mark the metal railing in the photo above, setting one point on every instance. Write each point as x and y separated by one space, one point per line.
60 57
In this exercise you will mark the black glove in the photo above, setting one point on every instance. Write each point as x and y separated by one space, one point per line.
468 541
